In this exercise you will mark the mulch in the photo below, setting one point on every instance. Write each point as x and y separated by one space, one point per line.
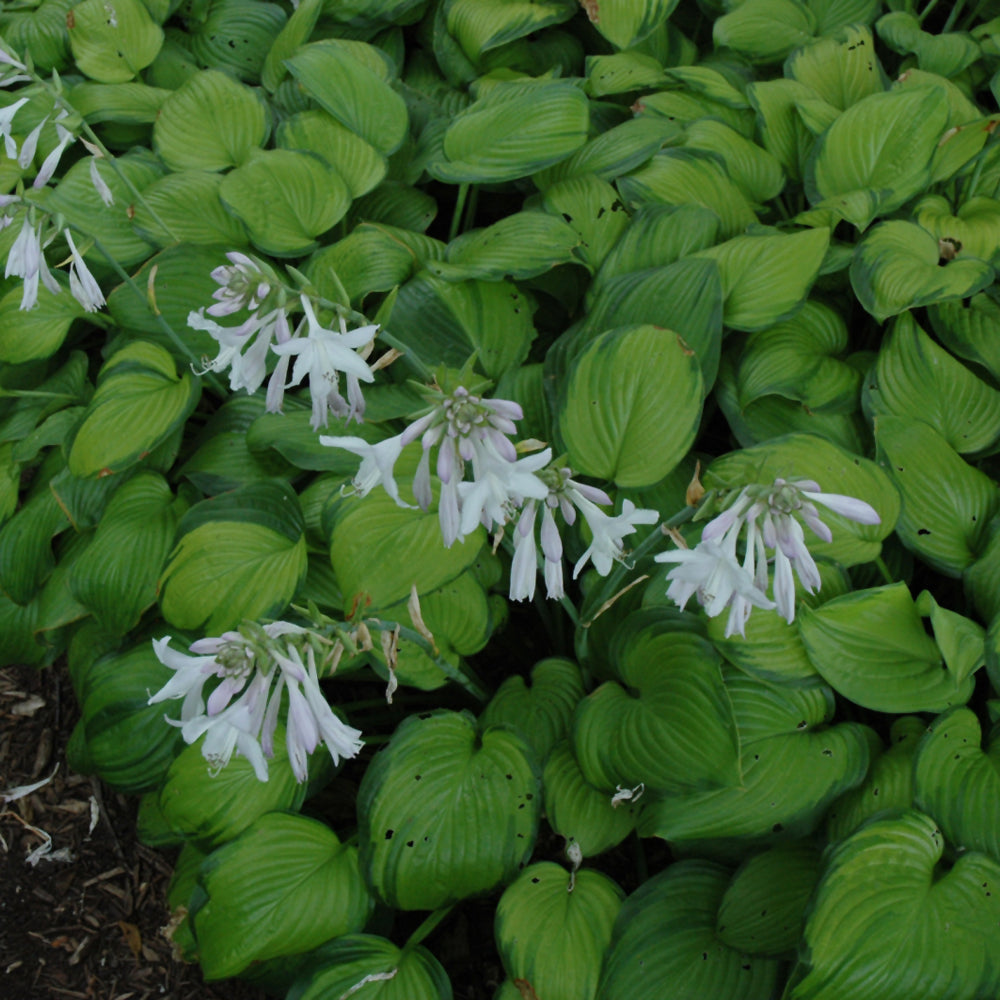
83 917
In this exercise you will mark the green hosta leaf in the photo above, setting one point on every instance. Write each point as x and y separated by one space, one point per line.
947 504
592 208
899 266
665 943
888 786
668 729
793 765
445 813
886 876
129 745
286 200
767 278
872 648
126 103
754 169
371 968
958 782
112 45
40 30
762 910
295 33
212 806
185 207
37 333
368 260
809 457
236 35
877 154
970 329
973 231
797 359
842 69
78 202
625 23
765 31
540 712
947 53
547 914
140 401
448 321
17 633
116 576
578 811
211 122
612 414
515 130
623 73
915 378
238 555
521 245
361 166
481 25
833 15
690 177
382 550
351 82
286 885
783 133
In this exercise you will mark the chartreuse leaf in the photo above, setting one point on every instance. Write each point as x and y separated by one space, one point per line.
872 648
833 15
139 402
286 199
128 744
185 207
545 915
115 578
763 907
361 166
449 321
793 765
841 69
632 387
888 785
947 504
754 169
286 885
668 726
210 122
592 208
690 177
973 229
767 278
237 555
836 471
783 133
622 73
236 36
947 53
445 813
540 712
915 378
798 359
212 806
113 45
899 265
765 31
514 130
294 33
41 31
578 811
971 329
481 25
371 968
382 550
888 922
625 23
350 80
30 335
665 943
877 154
958 782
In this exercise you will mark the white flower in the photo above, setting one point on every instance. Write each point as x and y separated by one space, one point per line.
6 124
82 284
377 463
607 547
524 567
323 354
244 285
244 348
48 167
26 260
499 487
30 144
100 186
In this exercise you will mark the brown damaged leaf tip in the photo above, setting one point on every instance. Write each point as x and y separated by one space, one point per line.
695 491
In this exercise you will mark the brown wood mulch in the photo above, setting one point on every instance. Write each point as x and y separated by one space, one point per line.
84 918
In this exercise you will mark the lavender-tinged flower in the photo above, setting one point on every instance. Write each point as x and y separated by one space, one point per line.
82 284
100 185
499 487
51 161
524 566
244 285
377 463
244 348
30 144
27 261
6 124
607 547
322 355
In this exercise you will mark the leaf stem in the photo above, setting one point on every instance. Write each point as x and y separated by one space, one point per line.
456 217
427 927
465 678
884 570
953 16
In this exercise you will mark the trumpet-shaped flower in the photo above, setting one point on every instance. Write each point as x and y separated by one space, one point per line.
27 261
82 284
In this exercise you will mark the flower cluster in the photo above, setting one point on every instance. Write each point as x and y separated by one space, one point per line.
769 519
484 481
320 354
250 670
